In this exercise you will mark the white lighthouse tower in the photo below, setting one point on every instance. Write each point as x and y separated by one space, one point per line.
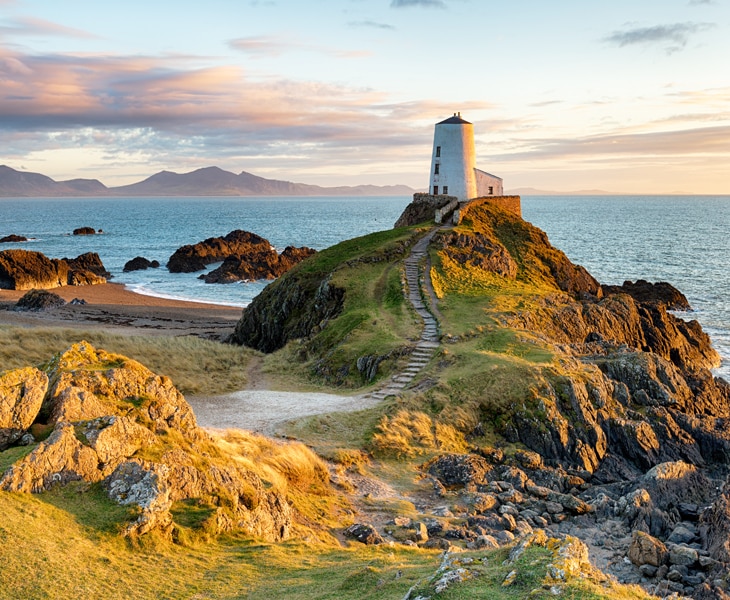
453 163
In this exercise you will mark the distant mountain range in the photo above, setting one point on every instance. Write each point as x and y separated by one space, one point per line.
209 181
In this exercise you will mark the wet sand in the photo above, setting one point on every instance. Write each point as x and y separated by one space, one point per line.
110 306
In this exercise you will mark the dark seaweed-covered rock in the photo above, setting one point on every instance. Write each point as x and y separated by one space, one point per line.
13 238
140 263
37 300
84 231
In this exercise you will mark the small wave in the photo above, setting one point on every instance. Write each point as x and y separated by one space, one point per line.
143 291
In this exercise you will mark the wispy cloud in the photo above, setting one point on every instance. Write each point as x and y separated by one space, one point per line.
33 26
371 24
672 37
700 2
687 142
275 46
421 3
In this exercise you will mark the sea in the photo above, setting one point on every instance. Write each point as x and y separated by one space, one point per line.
684 240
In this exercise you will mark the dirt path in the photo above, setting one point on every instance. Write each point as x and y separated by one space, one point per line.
260 409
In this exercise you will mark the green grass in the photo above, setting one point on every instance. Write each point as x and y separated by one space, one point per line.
55 546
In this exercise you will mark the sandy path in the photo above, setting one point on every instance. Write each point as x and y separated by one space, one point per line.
264 411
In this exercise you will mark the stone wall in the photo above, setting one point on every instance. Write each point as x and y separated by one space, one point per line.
511 204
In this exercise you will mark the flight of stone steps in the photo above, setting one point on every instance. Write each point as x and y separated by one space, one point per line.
429 341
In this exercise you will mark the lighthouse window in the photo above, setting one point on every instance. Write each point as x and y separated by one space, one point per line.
446 189
436 169
438 151
491 190
435 190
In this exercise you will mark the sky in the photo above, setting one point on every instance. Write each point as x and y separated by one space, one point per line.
627 96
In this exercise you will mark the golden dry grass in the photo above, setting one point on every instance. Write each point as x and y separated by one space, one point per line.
195 365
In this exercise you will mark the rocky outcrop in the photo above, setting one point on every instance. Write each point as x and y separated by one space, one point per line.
140 263
25 270
422 209
191 258
12 238
37 300
288 310
89 262
646 292
113 421
263 264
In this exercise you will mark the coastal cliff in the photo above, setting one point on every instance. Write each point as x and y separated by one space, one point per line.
608 388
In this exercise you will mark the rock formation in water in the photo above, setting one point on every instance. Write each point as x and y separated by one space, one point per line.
25 270
191 258
263 264
13 239
109 419
140 263
85 231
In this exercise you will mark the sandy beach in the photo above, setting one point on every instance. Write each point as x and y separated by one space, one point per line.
111 306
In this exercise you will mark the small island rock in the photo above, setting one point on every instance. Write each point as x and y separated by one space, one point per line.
140 263
191 258
84 231
265 264
13 238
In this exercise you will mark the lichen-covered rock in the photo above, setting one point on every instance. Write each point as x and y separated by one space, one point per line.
109 415
21 396
60 459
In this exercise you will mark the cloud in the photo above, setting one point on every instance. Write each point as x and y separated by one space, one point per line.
32 26
422 3
705 141
371 24
272 47
673 37
700 2
150 109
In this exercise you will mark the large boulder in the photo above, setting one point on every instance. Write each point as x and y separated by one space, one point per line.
26 270
21 396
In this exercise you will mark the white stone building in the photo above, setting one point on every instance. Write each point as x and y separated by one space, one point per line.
453 163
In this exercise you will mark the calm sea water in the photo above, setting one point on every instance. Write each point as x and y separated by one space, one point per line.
681 239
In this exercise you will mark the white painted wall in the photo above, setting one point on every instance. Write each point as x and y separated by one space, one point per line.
488 184
456 160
